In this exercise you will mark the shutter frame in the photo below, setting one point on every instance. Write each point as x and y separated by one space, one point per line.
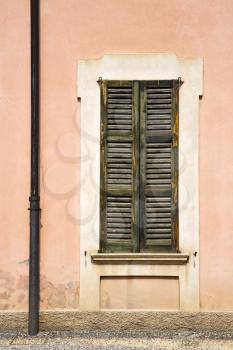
141 135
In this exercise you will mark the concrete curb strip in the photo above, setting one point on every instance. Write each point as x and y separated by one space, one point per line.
124 320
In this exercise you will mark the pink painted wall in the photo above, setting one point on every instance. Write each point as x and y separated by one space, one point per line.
73 29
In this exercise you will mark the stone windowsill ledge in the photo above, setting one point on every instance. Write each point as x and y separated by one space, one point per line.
140 258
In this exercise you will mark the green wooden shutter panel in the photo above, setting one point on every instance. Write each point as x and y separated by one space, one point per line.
158 165
139 179
118 171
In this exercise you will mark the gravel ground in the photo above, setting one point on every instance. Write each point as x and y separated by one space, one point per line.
117 341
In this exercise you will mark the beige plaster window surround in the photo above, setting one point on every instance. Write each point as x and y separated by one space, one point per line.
184 266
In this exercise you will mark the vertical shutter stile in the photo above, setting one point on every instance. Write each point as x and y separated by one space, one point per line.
119 173
158 162
175 163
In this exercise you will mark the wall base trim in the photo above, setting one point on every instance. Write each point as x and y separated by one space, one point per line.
121 321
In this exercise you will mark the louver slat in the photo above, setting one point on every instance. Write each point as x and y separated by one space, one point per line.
159 105
118 171
119 107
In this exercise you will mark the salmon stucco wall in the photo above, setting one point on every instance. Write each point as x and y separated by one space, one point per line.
81 29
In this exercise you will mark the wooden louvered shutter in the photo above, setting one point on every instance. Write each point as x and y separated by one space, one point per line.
159 166
119 166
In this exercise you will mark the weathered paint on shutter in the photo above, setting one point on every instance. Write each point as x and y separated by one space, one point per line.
159 165
119 170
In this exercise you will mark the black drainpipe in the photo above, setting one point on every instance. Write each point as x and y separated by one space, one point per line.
34 261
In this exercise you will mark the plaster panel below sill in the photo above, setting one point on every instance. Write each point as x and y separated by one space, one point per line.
140 258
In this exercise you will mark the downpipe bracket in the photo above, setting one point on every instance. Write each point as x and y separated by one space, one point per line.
34 203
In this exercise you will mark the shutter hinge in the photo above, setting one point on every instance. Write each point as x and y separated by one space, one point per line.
100 81
180 82
174 139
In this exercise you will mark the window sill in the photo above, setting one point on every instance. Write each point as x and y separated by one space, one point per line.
140 258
